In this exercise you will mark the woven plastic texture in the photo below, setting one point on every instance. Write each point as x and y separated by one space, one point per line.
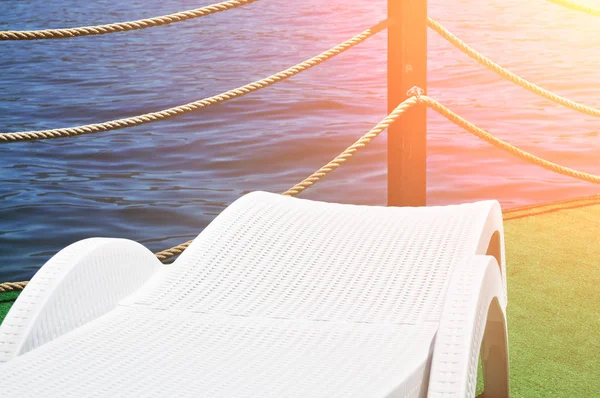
82 282
273 256
278 296
474 285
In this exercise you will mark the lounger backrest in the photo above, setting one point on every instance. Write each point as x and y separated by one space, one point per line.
273 256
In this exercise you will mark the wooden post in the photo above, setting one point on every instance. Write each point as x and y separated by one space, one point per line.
407 67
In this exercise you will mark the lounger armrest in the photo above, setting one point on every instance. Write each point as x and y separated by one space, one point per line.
80 283
473 321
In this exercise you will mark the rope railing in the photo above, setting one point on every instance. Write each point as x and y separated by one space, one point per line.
416 98
12 286
352 149
173 251
384 124
122 26
323 171
196 105
498 143
296 189
484 61
577 7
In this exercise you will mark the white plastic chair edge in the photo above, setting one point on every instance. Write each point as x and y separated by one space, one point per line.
473 321
80 283
492 242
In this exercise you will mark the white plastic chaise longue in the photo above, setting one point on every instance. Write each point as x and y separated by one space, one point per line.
277 297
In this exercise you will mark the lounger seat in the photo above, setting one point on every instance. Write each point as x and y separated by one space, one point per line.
277 297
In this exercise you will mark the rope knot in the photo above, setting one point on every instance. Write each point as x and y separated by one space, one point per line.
416 91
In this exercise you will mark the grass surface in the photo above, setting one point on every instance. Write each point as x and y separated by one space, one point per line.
6 300
553 261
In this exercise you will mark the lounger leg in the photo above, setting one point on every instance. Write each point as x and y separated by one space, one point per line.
472 326
494 354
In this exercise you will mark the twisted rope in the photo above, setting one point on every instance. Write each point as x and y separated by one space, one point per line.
323 171
200 104
12 286
121 26
509 75
577 7
498 143
352 149
172 252
309 181
372 134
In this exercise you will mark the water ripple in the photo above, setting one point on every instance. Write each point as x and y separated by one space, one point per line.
162 183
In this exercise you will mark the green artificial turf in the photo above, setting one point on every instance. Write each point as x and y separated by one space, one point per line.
553 265
6 301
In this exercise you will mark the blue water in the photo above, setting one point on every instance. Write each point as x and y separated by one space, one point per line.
162 183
